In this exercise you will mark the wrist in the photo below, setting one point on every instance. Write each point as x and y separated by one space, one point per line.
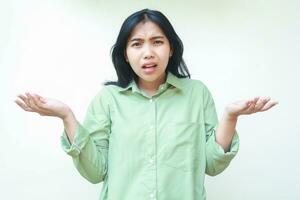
230 116
67 115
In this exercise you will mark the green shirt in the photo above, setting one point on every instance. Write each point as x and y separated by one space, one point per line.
144 147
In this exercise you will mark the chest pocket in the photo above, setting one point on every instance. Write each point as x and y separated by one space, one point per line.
183 148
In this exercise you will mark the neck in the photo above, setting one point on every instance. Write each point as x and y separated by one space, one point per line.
153 86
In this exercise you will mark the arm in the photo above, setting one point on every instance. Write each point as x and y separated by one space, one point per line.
217 160
228 123
225 131
49 107
87 143
70 124
89 147
222 141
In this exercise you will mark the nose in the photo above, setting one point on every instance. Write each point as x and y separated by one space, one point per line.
148 52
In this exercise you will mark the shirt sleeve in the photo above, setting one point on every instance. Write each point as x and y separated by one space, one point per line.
216 158
89 149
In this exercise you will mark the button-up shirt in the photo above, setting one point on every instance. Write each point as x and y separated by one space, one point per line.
150 147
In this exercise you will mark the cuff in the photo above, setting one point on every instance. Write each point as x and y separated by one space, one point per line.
218 150
80 139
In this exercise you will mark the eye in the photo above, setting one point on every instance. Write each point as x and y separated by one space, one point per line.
158 42
136 44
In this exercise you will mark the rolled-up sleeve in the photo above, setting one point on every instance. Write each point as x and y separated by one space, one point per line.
217 160
89 149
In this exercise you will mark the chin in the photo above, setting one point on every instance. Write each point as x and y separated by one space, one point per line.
149 79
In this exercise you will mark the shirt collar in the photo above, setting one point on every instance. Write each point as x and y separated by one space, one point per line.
171 79
175 81
132 85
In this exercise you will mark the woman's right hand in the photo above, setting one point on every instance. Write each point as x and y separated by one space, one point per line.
43 106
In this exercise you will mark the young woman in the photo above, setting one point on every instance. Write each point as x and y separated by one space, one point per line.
154 133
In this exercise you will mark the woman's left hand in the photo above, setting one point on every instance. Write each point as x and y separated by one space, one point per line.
250 106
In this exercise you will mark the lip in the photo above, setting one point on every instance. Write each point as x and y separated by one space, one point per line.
148 64
148 69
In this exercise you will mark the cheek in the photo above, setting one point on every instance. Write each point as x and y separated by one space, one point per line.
165 55
133 60
132 56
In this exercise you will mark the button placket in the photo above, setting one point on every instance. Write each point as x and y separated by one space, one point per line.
153 195
151 153
76 148
151 161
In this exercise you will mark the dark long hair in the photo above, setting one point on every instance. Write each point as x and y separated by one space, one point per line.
176 64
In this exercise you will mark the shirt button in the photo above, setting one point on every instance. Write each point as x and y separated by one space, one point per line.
76 148
151 100
151 161
151 127
151 195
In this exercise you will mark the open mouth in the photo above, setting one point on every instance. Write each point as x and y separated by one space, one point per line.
149 68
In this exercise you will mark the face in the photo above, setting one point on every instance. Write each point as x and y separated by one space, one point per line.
148 52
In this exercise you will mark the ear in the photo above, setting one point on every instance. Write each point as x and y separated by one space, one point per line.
125 56
171 52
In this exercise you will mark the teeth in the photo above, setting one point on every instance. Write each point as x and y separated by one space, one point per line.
147 66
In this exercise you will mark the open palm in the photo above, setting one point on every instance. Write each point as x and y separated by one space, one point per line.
42 105
250 106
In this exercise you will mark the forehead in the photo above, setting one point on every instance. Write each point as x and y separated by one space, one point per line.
146 29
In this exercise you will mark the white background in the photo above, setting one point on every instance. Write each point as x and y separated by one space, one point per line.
61 49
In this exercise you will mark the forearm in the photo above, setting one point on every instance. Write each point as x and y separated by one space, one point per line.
70 125
225 131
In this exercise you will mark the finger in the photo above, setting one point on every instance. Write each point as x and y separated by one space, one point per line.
24 98
23 106
261 103
41 103
269 105
252 101
255 100
41 106
35 106
246 105
40 98
37 101
32 103
28 98
251 105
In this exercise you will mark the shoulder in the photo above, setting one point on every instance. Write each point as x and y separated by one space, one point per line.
109 93
195 85
103 94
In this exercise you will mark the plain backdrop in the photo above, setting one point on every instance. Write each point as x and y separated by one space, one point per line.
61 49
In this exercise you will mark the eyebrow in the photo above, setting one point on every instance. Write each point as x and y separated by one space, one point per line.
152 38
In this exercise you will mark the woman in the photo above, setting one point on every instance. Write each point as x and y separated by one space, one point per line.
154 133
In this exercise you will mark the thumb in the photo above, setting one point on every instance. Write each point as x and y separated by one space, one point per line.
43 100
245 104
